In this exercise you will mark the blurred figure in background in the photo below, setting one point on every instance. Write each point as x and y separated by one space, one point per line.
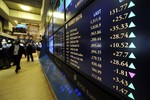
6 55
1 55
39 46
29 51
16 51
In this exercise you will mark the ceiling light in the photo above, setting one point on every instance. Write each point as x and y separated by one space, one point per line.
26 8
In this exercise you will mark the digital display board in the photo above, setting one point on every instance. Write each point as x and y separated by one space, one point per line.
59 44
72 6
109 41
51 47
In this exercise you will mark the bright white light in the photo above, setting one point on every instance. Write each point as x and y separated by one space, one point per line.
50 13
58 15
26 8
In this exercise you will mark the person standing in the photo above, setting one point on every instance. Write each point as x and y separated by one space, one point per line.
29 50
16 51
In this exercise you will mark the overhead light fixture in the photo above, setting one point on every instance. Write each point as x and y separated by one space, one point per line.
26 8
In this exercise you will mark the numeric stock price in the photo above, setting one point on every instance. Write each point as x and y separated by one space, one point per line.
119 27
120 35
120 45
121 81
120 17
120 54
118 9
119 63
120 89
121 72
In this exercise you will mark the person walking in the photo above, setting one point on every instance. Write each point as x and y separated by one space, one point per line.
29 50
16 51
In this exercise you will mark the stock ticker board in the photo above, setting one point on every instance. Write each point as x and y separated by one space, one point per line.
109 42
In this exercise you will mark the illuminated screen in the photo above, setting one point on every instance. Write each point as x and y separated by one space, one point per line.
72 6
109 41
51 47
21 28
59 48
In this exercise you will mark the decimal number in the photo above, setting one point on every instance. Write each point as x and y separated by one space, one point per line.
121 54
96 77
97 58
120 89
95 39
120 35
119 27
119 63
121 81
118 9
120 17
121 72
120 45
95 20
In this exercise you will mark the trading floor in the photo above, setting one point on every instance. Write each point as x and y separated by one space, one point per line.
29 84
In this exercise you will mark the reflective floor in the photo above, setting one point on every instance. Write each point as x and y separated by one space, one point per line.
29 84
